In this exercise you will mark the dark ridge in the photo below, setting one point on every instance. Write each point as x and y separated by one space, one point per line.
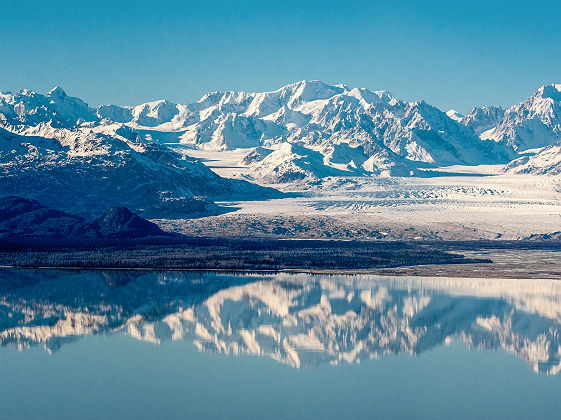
25 221
121 222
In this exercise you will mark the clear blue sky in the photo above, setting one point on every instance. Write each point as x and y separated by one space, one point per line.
450 53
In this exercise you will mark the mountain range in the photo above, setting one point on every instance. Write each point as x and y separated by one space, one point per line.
57 149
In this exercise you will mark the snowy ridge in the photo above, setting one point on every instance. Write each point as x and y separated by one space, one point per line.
455 115
481 120
534 122
546 162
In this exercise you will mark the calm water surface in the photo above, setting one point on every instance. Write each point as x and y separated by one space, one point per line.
137 344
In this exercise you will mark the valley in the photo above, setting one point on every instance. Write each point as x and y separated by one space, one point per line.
454 203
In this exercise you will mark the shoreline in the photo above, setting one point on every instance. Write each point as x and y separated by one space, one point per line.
474 271
469 259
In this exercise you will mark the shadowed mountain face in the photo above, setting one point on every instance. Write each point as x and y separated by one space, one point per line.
81 171
25 219
118 221
301 320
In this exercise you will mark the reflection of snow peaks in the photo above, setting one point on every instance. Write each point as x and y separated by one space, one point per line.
309 321
301 320
72 325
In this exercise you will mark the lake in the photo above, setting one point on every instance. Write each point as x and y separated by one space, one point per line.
139 344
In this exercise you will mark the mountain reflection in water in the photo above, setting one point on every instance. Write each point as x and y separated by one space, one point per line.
299 319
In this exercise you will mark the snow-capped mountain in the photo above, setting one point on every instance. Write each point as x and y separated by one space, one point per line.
289 162
300 320
482 119
455 115
308 113
81 171
30 108
305 130
546 162
533 123
312 113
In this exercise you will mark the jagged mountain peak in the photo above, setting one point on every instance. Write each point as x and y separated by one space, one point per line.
57 91
455 115
308 90
482 119
311 90
369 97
30 108
551 91
533 123
27 92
